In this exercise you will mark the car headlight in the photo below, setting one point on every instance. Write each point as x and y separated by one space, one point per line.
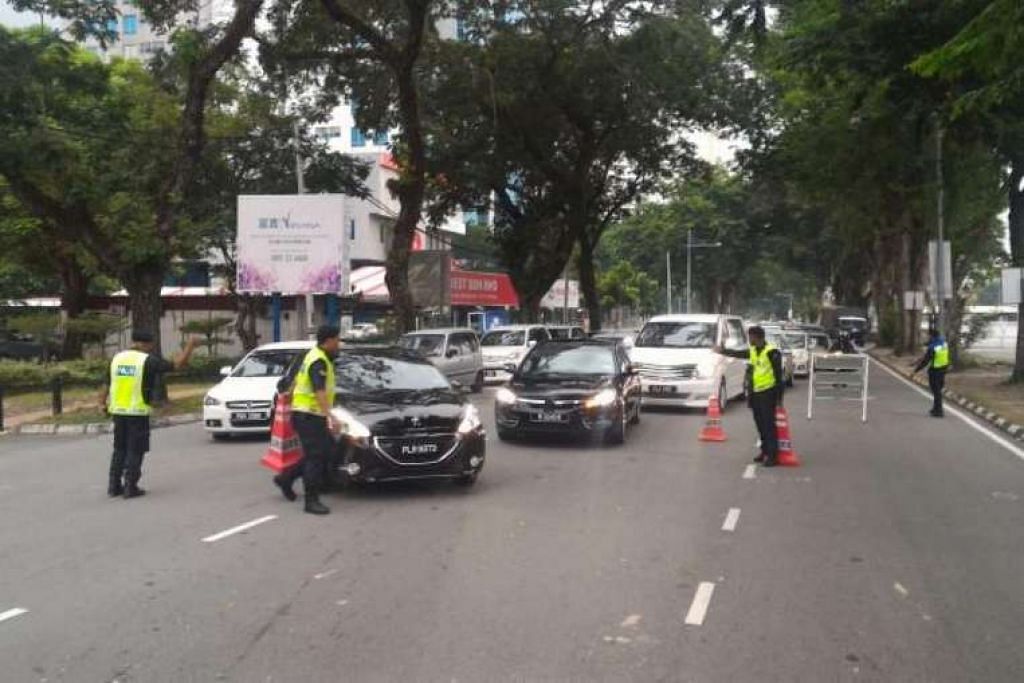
351 427
505 396
470 420
602 399
211 401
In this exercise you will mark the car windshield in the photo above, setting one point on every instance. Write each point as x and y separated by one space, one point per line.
359 374
678 335
425 344
555 359
503 338
819 342
797 341
777 340
560 332
858 324
266 363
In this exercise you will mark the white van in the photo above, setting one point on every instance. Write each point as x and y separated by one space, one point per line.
678 366
508 345
453 351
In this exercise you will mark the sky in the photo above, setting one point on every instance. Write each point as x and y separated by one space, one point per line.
8 17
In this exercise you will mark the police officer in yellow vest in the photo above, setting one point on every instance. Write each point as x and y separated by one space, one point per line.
936 359
127 396
312 400
765 382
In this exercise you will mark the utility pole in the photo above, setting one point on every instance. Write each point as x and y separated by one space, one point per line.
690 246
940 215
668 281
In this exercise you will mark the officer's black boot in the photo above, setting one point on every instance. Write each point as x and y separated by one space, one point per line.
285 484
133 490
115 488
314 506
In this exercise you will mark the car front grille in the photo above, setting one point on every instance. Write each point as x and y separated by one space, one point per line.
248 405
651 371
420 449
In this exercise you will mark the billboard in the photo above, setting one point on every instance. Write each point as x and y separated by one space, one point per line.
555 298
292 244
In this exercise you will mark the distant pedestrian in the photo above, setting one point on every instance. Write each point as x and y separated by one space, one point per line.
764 382
936 359
312 400
127 396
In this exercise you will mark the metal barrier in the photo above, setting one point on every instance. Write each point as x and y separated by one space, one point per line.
838 377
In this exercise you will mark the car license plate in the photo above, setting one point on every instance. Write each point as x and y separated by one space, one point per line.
250 417
661 389
548 417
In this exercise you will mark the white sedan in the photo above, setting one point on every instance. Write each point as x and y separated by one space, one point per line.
243 402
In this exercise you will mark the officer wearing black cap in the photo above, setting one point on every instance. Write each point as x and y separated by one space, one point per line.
312 400
764 381
127 396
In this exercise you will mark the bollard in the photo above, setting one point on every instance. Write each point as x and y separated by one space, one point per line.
58 397
2 410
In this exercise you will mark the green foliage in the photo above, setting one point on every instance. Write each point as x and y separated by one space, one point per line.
41 326
623 285
209 329
22 376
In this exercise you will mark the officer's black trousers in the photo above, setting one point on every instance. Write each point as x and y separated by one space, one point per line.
316 442
763 404
131 443
936 381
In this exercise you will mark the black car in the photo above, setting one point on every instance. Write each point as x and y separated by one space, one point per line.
403 420
586 387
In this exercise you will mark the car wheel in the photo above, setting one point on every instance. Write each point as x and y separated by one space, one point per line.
616 434
467 480
789 381
723 396
635 419
506 434
478 383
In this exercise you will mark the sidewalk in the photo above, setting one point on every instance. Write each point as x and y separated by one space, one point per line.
13 422
981 389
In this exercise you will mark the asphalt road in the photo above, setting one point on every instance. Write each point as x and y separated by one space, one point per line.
893 554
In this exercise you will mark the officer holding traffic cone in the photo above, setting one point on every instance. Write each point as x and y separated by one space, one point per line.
936 359
765 382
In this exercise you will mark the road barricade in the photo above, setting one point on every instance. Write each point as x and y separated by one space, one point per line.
838 377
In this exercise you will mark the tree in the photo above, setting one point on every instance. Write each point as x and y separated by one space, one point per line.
209 329
622 286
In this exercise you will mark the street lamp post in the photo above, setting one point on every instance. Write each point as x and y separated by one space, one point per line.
690 246
789 311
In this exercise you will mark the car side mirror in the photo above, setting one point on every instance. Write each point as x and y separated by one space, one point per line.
632 371
532 343
451 353
458 386
225 371
510 368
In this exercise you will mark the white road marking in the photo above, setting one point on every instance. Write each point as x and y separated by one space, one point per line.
699 606
238 529
324 575
11 613
750 472
900 589
953 411
731 519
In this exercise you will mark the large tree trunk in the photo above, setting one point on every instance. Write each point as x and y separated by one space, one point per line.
1016 220
73 300
144 302
588 284
249 307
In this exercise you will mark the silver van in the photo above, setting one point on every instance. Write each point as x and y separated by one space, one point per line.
453 351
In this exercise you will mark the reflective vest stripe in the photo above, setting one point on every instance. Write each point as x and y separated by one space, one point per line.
304 396
126 398
763 375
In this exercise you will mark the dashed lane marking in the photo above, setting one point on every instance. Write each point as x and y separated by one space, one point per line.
731 519
899 588
750 472
953 411
238 529
11 613
699 606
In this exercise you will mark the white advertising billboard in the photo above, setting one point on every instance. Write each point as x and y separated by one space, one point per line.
292 244
555 298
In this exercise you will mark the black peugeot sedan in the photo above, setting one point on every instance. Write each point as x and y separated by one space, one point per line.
586 387
401 419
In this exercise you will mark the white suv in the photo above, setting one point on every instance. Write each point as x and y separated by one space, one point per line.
678 365
508 345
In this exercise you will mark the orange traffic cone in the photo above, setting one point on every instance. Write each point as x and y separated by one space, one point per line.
787 456
284 450
712 429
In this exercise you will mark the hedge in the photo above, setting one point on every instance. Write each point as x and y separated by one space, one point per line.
24 376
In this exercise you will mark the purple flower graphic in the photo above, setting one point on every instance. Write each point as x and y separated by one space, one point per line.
252 278
327 279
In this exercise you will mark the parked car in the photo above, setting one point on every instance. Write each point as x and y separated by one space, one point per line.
455 352
564 332
361 331
775 337
582 387
675 357
508 345
17 346
243 402
401 419
797 342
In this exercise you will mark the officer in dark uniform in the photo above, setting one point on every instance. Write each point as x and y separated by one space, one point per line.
765 381
312 400
127 396
936 359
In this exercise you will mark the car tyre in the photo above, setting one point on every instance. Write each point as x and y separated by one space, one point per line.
723 396
478 383
506 434
789 381
467 480
635 419
616 434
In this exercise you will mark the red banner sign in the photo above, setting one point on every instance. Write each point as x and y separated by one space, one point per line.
471 288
